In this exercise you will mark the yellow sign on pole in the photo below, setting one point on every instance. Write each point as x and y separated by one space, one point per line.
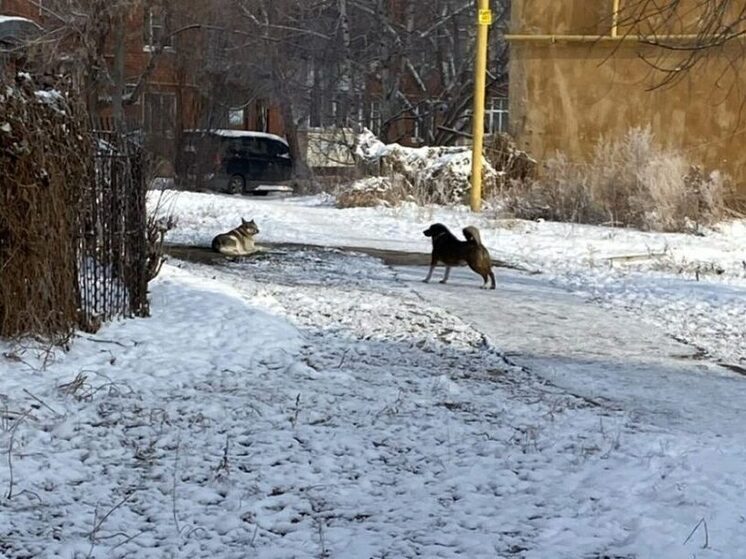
485 17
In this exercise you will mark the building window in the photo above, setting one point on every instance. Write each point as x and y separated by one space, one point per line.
156 30
333 113
129 91
160 113
374 120
236 118
423 123
496 115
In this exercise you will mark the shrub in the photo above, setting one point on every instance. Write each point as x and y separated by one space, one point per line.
375 191
630 181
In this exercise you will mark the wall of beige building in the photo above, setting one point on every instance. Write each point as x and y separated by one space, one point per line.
566 94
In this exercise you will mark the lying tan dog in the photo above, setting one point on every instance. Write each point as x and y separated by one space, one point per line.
238 241
450 251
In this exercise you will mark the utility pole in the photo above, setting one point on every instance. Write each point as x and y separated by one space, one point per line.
484 20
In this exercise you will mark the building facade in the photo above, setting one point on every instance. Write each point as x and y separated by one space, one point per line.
577 73
164 73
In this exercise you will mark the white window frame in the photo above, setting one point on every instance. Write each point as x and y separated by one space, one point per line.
496 115
375 117
233 116
150 43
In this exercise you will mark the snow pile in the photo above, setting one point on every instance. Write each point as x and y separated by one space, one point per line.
53 98
439 175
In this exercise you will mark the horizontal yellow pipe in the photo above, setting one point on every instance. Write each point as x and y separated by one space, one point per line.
646 39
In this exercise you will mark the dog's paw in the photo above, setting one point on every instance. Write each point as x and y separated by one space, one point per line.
426 280
443 281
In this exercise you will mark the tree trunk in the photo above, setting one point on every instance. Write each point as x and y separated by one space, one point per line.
345 82
300 167
117 103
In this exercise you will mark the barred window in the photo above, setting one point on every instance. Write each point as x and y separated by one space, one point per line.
160 112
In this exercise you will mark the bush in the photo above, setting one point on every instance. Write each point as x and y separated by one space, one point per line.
427 175
630 181
375 191
45 154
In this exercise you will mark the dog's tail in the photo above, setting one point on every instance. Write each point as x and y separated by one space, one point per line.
471 234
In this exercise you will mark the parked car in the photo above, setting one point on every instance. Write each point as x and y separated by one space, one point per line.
235 161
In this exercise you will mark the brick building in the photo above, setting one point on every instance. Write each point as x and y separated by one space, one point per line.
170 67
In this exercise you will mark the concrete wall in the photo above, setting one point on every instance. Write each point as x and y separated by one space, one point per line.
564 95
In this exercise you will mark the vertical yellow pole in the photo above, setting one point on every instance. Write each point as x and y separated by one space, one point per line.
484 19
615 18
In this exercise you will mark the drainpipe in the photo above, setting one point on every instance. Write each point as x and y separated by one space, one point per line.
484 20
615 19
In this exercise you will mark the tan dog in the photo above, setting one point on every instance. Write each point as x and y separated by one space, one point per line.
450 251
238 241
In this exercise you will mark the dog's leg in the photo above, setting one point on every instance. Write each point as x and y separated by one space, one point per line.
448 273
492 277
430 273
433 263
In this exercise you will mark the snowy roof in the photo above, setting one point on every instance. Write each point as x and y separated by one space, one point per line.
225 133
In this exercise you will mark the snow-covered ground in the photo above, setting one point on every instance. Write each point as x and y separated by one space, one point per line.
317 403
652 274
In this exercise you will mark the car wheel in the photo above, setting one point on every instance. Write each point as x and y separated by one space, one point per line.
236 184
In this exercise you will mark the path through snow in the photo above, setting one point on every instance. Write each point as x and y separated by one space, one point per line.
324 405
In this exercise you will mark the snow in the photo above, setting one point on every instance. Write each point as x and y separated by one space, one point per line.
552 246
4 19
441 172
53 98
238 134
311 402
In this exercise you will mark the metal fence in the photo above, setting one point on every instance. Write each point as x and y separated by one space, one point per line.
112 247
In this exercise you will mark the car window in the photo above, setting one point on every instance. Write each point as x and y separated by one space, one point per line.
256 147
277 149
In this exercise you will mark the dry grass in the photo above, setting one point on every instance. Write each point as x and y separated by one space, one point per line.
630 181
375 191
159 222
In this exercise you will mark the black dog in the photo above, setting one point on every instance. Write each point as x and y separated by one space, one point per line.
450 251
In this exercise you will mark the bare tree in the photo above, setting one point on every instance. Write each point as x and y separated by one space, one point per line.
91 38
686 33
397 66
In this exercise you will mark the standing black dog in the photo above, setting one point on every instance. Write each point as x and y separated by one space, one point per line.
450 251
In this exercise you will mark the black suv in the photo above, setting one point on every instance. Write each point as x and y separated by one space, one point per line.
235 161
